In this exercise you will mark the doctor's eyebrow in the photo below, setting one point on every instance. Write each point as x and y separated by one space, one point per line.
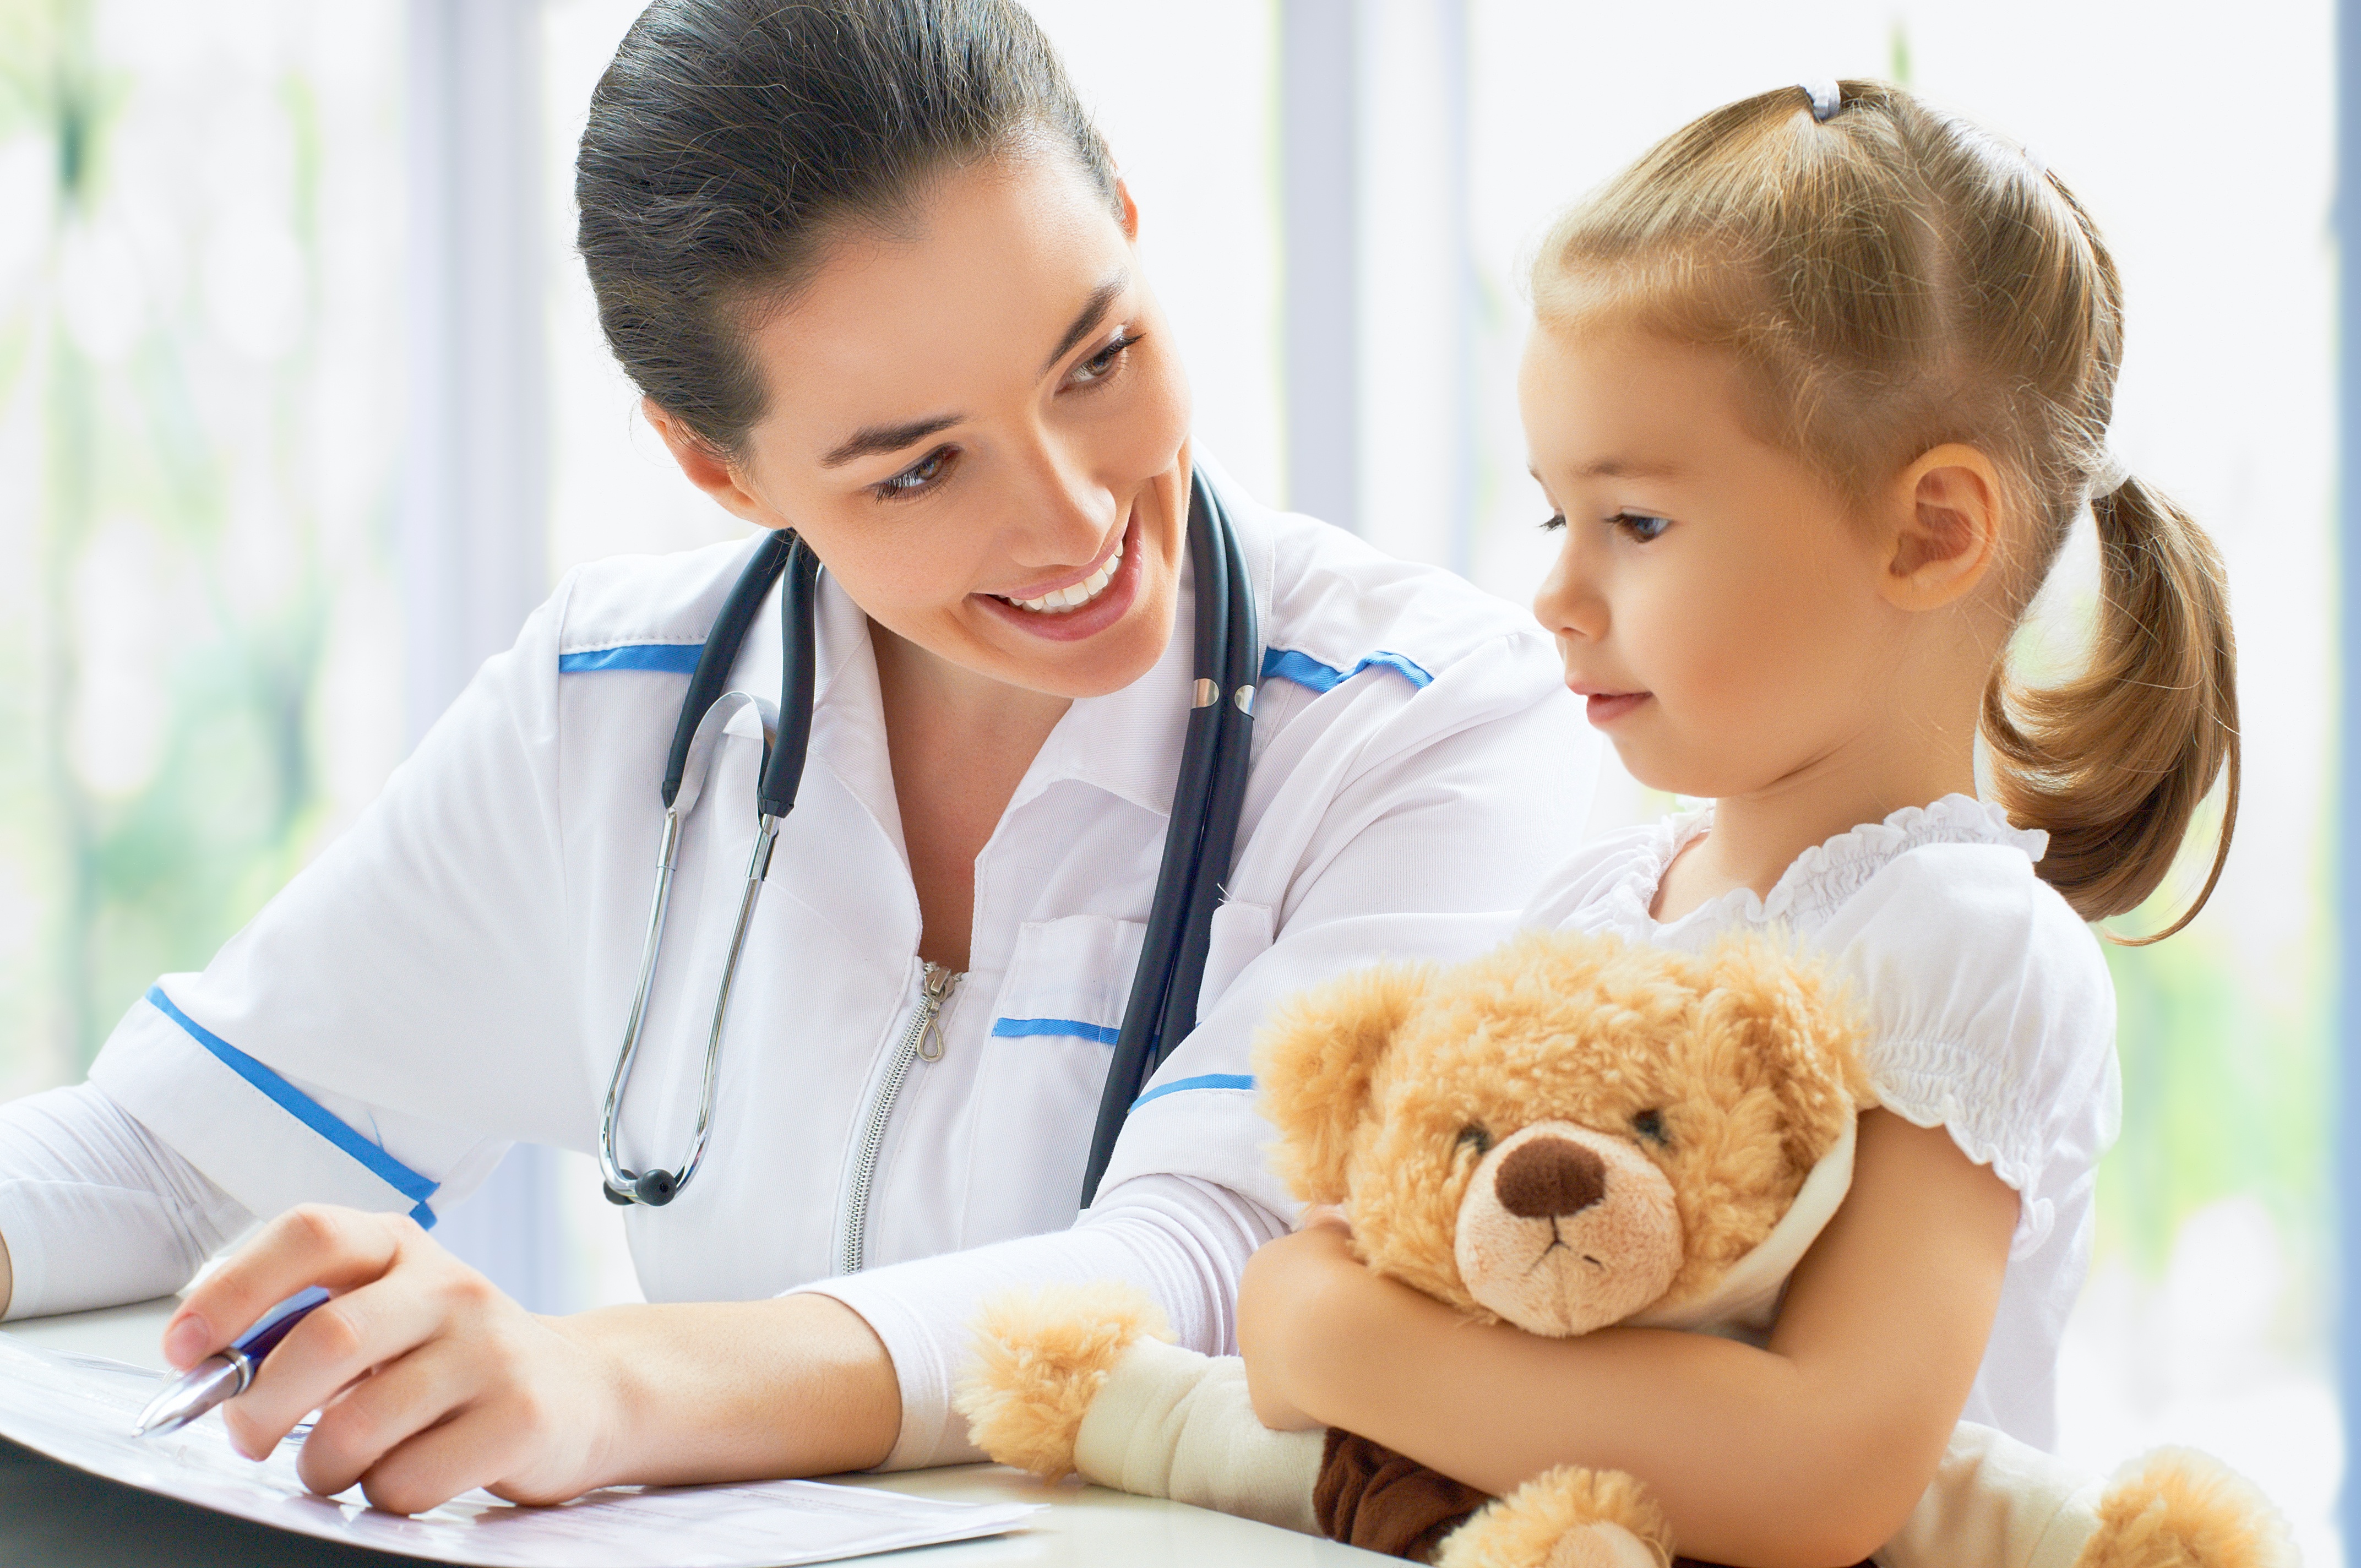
873 439
1093 311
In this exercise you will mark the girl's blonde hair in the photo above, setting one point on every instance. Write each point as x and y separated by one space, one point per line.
1894 279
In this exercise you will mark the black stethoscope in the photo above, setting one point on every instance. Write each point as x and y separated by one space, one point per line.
1206 801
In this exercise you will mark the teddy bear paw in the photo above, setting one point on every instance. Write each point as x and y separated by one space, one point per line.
1565 1518
1041 1358
2181 1508
1601 1546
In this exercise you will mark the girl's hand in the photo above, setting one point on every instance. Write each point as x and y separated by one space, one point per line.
1293 1287
429 1382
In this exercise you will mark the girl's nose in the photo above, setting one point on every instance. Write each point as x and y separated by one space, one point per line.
1568 603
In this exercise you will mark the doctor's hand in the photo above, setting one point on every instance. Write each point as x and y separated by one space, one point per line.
428 1380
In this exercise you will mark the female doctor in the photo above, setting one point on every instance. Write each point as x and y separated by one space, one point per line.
872 269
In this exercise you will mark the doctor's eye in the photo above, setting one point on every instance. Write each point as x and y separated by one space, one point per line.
920 477
1475 1136
1106 361
1644 527
1555 520
1650 1124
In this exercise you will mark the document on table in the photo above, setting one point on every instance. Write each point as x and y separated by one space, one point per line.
80 1409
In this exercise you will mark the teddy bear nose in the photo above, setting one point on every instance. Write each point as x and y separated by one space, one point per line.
1549 1177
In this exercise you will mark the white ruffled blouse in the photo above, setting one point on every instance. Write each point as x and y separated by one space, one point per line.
1990 1013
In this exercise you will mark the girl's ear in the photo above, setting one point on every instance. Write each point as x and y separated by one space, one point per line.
1314 1063
1944 516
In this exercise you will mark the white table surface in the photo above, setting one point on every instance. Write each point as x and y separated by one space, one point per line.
1084 1525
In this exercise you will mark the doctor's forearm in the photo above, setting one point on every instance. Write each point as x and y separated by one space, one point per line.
741 1390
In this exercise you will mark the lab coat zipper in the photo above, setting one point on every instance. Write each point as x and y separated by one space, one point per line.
935 988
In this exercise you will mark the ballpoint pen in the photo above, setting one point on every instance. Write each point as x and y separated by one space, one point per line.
225 1375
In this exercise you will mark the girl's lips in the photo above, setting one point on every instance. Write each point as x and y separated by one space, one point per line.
1606 707
1112 602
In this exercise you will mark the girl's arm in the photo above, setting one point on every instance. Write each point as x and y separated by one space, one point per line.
1808 1453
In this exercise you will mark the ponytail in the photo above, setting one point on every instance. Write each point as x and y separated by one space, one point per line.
2114 765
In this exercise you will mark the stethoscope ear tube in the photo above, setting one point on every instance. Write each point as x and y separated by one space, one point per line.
783 770
1206 799
721 650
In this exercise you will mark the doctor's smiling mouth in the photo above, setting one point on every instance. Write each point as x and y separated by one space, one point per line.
1077 605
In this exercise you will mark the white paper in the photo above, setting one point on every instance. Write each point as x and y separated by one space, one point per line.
82 1409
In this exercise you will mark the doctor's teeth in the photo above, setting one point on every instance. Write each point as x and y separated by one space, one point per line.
1059 600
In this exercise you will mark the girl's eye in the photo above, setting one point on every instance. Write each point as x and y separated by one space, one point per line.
1642 527
920 477
1105 362
1554 521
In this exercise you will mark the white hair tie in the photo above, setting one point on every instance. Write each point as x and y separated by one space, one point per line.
2034 161
1826 95
2109 474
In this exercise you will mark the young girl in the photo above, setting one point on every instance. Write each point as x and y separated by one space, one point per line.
1817 390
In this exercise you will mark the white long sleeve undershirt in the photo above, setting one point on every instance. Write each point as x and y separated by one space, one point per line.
96 1210
1182 1240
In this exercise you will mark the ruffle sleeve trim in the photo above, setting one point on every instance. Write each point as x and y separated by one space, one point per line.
1978 1100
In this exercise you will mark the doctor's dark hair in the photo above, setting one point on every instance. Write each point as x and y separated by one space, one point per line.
1891 279
732 140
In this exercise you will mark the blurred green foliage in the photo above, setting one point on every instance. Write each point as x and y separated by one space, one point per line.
140 878
2226 1091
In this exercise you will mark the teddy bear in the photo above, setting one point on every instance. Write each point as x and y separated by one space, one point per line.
1567 1132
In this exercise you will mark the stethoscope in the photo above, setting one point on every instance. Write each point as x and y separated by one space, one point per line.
1206 801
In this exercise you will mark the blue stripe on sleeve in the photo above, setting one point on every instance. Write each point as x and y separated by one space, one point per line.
306 1110
1203 1081
1013 1028
667 658
1286 664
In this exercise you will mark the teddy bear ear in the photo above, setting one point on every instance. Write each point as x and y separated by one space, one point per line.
1314 1062
1797 1023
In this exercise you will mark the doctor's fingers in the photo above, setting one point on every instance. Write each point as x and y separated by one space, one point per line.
432 1427
422 1303
315 1243
358 1435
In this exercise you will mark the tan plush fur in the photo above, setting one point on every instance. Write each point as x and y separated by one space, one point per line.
1041 1357
2177 1508
1747 1057
1524 1528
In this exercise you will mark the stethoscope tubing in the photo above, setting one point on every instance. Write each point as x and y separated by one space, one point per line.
1208 797
1206 800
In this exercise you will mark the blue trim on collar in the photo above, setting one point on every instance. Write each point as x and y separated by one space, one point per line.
1017 1028
667 658
1202 1080
306 1110
1286 664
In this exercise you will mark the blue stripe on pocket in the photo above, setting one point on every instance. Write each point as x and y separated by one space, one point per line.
1202 1080
667 658
1286 664
1016 1028
306 1110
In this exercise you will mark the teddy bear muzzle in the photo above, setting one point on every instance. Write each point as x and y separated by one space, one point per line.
1565 1230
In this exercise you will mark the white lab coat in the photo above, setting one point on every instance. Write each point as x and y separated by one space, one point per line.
453 974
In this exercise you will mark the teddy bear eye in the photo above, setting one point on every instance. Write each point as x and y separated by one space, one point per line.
1650 1124
1475 1136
